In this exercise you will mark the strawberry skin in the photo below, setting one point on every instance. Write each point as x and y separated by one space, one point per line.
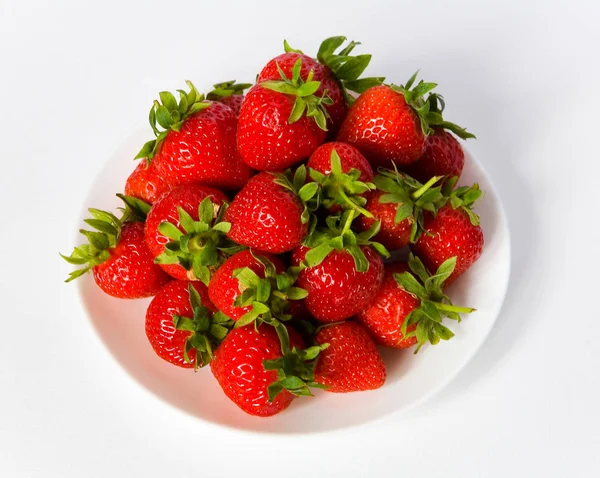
450 233
187 197
238 367
204 151
224 288
266 140
336 290
351 158
234 102
173 299
266 216
393 236
352 362
337 111
130 272
443 157
384 128
146 183
384 316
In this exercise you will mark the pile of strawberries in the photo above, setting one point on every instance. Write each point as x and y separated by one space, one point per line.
260 224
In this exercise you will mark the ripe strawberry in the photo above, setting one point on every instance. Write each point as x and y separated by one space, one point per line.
342 272
270 213
453 232
389 124
282 121
443 157
250 286
146 183
181 326
351 362
118 257
238 366
398 205
344 175
410 306
185 233
229 93
198 143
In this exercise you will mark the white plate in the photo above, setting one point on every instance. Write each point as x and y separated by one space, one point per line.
411 378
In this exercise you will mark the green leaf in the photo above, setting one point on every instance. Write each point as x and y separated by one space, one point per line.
353 68
360 261
102 226
417 267
168 100
444 332
430 311
96 239
308 191
195 299
308 88
363 84
408 282
317 254
169 230
297 110
328 46
223 227
279 86
423 332
206 210
404 211
263 290
147 150
296 293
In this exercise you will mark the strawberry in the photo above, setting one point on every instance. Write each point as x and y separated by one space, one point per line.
410 306
281 121
272 212
146 183
229 93
118 256
249 286
344 175
351 362
181 326
341 272
443 156
399 204
453 232
238 366
389 123
198 143
186 234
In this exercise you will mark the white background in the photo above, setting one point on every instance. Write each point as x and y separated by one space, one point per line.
76 79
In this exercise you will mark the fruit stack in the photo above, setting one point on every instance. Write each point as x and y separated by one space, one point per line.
262 224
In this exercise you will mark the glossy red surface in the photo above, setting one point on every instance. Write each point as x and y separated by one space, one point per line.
443 156
336 291
146 183
350 158
168 342
130 272
266 216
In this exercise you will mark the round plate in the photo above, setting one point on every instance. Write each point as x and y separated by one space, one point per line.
411 378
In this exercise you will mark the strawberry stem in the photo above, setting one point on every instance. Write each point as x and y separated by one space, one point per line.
340 191
423 189
454 308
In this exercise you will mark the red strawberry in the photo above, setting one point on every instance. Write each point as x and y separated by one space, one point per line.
224 288
389 124
411 305
180 326
118 257
229 93
146 183
453 232
268 214
342 272
344 175
384 316
274 134
198 144
443 157
185 233
350 157
238 366
351 362
398 205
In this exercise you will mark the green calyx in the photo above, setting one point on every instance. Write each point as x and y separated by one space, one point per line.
207 330
306 103
295 369
430 109
434 306
346 67
203 246
268 297
169 114
106 236
411 198
463 197
227 88
343 189
308 193
338 236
